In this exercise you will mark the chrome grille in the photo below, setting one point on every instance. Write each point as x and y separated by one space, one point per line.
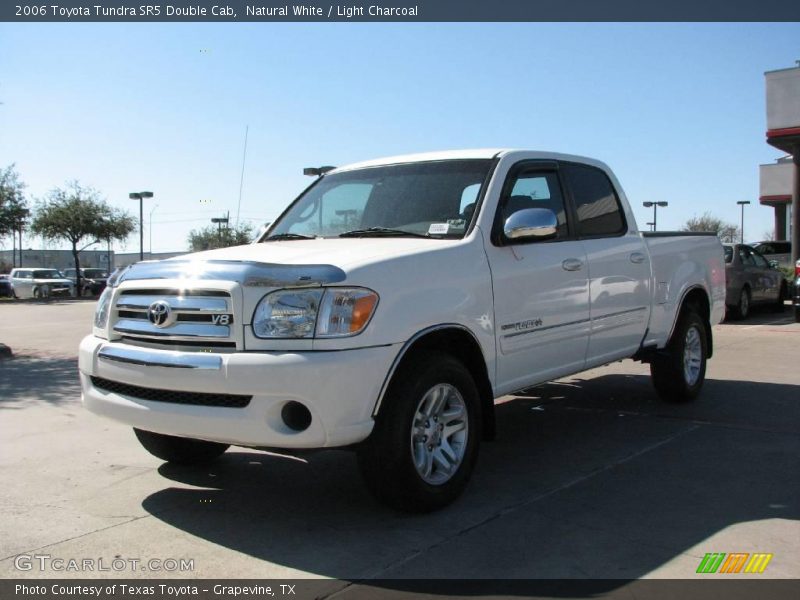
203 317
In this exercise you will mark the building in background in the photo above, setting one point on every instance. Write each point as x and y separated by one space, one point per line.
62 259
780 183
56 259
128 258
775 190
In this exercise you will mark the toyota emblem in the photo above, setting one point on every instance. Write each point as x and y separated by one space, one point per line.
159 313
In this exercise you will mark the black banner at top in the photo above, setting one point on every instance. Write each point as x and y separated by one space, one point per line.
397 10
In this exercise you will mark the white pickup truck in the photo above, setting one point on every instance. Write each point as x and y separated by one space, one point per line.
387 308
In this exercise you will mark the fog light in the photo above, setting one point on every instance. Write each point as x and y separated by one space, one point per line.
296 416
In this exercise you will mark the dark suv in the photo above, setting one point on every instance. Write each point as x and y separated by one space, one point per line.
93 281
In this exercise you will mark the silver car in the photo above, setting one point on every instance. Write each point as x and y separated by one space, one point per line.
751 280
39 283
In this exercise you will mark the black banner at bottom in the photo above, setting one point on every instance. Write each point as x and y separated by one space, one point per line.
395 589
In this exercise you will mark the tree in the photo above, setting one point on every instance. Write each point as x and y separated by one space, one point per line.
13 206
77 213
727 232
212 237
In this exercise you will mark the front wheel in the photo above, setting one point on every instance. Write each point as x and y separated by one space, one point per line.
679 370
178 450
423 448
780 303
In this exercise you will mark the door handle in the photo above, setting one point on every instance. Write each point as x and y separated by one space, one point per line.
572 264
638 258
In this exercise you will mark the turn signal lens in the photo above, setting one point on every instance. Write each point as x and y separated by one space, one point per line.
345 311
101 313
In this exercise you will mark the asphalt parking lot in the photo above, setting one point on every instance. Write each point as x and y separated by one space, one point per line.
590 477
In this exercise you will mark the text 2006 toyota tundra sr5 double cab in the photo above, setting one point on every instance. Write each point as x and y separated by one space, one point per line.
390 304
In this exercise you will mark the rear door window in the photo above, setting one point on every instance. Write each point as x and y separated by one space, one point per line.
598 207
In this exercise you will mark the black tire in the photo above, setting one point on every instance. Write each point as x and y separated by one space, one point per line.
673 382
386 458
742 308
783 294
37 293
178 450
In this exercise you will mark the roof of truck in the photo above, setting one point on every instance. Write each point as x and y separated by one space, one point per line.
478 153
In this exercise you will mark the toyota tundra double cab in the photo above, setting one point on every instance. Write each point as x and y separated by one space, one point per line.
389 306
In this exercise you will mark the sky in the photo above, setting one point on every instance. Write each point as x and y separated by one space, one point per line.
676 110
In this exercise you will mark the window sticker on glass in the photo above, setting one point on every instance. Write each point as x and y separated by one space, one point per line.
457 223
438 229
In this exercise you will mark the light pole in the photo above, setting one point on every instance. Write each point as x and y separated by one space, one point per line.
150 231
655 206
219 221
140 196
741 227
317 171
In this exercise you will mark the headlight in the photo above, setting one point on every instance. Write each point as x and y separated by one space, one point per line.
328 312
101 311
287 314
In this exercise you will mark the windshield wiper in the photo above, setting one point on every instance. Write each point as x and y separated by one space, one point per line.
380 232
289 236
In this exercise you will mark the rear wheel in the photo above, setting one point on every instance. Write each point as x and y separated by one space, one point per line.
742 308
423 448
679 370
182 451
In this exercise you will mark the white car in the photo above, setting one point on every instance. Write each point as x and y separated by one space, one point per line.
39 283
390 304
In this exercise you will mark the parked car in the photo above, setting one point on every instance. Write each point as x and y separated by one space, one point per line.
5 286
39 283
751 280
387 308
777 251
796 296
93 281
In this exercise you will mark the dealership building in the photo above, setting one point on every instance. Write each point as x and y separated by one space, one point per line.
780 181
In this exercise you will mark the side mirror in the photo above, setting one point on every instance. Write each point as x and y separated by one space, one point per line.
774 264
531 224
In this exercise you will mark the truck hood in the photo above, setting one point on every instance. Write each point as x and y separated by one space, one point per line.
341 253
283 263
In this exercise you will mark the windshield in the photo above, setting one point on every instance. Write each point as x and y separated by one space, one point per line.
431 199
94 273
47 274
